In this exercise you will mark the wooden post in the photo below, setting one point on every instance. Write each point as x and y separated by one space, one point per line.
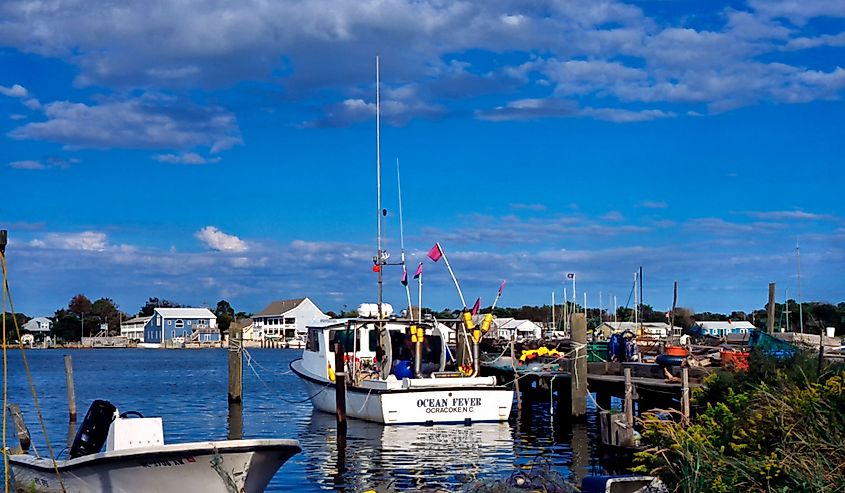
20 427
236 421
629 399
340 387
515 376
71 393
770 326
235 365
685 394
578 382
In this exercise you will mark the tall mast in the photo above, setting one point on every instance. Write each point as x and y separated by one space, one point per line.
379 253
800 308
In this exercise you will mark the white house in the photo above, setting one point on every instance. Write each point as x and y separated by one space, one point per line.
181 324
723 329
133 329
285 320
38 325
511 328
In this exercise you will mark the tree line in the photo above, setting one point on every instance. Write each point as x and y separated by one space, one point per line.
84 318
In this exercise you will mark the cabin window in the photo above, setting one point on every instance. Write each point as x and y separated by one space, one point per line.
180 324
373 340
344 337
312 343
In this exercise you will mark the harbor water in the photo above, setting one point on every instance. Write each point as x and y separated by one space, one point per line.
188 389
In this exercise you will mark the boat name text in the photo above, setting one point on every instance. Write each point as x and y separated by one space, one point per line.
454 405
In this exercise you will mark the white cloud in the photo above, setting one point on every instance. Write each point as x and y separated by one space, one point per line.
89 241
29 164
217 240
789 215
151 121
184 158
653 204
16 91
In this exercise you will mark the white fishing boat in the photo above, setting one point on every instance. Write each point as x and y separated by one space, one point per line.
137 460
387 383
395 370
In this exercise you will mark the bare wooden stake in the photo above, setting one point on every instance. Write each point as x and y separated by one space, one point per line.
340 386
20 427
71 393
770 325
629 399
685 393
515 377
235 365
578 382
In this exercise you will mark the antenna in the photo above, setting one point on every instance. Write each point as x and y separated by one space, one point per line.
379 260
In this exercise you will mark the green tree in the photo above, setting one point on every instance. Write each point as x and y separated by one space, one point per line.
9 321
105 311
225 315
80 305
153 303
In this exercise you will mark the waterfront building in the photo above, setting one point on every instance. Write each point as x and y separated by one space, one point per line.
722 329
38 326
285 320
181 325
133 329
512 328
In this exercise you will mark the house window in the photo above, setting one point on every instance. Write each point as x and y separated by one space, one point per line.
189 322
169 322
180 324
290 320
173 334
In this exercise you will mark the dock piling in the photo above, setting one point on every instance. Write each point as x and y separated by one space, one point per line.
515 377
685 394
770 311
578 383
235 365
629 399
20 428
340 386
71 393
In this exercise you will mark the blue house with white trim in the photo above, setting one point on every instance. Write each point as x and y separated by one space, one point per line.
181 324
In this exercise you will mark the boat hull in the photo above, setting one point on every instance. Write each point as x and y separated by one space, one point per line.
450 402
224 466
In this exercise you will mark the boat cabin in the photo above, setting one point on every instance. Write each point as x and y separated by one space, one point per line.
372 353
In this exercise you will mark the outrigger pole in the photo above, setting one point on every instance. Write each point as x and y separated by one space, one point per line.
402 242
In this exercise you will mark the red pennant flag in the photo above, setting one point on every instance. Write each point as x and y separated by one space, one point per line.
435 253
376 268
476 306
404 276
419 271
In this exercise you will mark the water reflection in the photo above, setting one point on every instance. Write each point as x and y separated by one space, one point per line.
408 457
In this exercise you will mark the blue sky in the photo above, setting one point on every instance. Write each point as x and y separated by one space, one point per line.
205 150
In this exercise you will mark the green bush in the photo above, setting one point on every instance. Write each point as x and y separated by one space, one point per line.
778 428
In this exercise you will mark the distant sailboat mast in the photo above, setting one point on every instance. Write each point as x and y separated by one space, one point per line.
800 309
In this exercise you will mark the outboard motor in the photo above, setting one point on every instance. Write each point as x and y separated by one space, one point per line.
94 429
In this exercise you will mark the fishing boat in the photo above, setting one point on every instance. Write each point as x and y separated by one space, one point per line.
136 459
388 382
396 369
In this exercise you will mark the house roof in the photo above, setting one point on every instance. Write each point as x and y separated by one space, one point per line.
740 324
185 313
280 307
137 320
34 324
